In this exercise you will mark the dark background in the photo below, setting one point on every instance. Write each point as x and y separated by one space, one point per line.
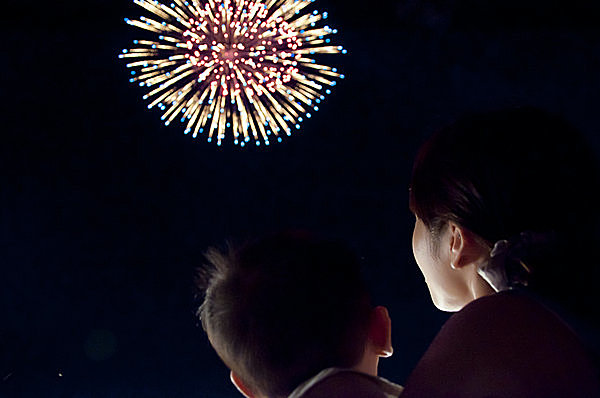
105 212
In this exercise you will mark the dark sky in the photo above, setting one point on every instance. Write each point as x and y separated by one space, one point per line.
105 212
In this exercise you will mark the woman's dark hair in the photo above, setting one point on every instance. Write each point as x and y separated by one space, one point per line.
284 307
504 172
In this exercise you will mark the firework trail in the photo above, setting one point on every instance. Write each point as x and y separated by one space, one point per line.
246 68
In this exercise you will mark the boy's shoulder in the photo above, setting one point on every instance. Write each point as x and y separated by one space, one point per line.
346 383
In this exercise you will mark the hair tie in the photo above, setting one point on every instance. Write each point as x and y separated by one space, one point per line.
508 266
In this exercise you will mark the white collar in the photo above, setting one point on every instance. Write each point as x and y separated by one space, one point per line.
392 390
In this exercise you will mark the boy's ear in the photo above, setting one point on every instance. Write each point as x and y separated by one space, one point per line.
380 332
464 248
239 384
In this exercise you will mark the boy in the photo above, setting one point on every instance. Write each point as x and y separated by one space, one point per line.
291 317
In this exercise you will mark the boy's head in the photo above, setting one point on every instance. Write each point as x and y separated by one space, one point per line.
281 309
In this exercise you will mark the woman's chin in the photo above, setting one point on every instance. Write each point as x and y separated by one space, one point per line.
447 304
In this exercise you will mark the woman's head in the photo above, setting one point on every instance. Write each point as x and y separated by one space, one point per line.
497 174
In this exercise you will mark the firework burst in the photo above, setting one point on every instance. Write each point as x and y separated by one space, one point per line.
243 68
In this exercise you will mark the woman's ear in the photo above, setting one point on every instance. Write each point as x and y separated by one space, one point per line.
380 332
464 248
239 384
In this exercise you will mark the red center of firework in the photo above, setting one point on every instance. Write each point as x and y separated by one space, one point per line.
229 55
245 51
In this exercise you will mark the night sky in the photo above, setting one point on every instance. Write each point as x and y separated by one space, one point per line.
105 212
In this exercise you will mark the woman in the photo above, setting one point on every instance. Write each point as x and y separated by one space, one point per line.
505 236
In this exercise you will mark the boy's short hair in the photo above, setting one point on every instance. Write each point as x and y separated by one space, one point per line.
283 308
